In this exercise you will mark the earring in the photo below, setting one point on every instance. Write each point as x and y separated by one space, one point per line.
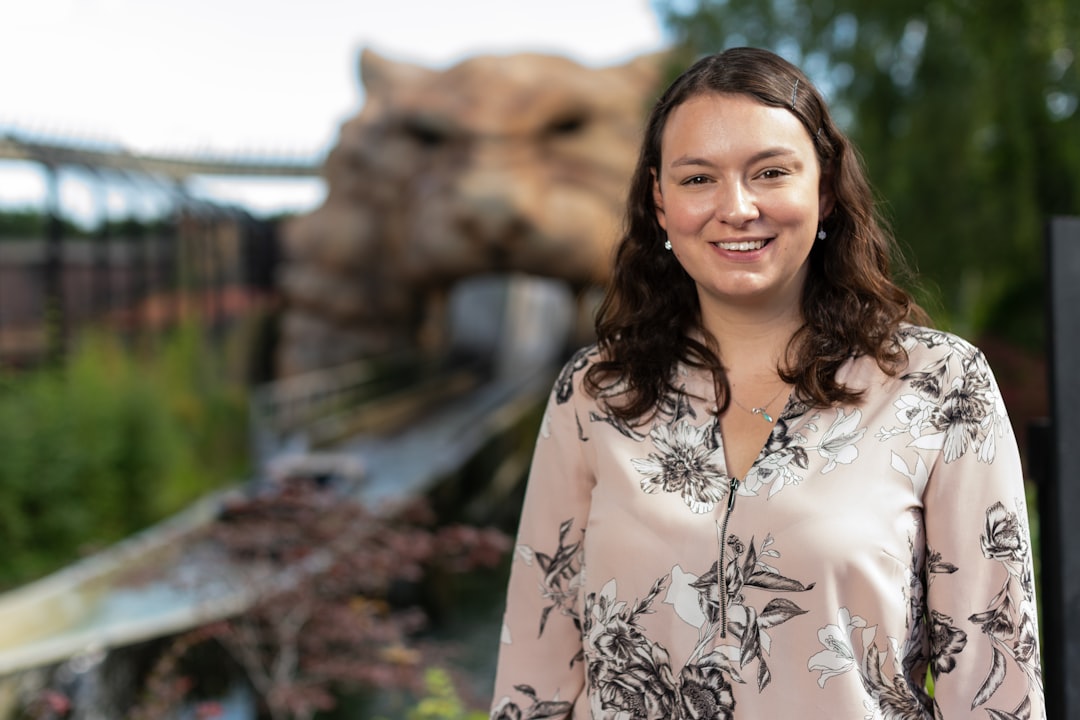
821 234
667 244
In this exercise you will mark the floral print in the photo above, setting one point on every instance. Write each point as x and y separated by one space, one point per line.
838 657
636 675
1010 625
1002 538
849 646
684 463
561 574
786 456
749 626
951 405
945 642
829 582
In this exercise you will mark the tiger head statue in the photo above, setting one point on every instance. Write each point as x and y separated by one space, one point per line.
498 164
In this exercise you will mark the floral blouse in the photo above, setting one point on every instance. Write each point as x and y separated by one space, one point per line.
868 545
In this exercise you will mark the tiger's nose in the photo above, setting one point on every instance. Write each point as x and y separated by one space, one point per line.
490 199
489 218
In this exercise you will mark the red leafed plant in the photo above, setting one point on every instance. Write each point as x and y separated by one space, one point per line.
337 603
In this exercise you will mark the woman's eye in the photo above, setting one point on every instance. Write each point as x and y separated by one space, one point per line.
772 173
695 180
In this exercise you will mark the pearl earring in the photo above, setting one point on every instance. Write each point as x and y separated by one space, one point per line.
667 244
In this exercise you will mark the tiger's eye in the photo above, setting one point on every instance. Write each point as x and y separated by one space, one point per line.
426 131
567 125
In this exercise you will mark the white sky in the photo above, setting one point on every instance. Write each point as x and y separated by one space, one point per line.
262 76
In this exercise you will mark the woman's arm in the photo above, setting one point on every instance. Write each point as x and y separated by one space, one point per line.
981 596
540 670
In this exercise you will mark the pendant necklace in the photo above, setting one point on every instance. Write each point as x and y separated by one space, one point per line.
762 410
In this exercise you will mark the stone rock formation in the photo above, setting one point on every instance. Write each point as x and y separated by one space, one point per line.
496 165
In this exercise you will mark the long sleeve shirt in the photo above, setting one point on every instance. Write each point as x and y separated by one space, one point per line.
871 545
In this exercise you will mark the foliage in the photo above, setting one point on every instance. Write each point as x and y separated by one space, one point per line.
207 404
166 686
966 116
441 701
338 606
32 224
35 225
23 224
108 445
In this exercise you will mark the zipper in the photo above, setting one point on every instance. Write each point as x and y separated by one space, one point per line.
722 575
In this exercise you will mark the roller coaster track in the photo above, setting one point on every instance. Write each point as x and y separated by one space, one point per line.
54 153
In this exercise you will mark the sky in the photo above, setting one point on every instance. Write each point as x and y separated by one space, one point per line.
269 77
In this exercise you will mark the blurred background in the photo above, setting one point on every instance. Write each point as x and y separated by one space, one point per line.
258 255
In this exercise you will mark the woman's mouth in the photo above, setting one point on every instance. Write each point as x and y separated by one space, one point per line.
741 245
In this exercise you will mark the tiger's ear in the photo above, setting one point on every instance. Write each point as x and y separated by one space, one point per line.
648 66
382 76
643 71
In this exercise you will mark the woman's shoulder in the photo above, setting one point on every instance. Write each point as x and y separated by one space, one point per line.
570 379
928 347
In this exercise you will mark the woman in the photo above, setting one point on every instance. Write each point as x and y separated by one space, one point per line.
767 491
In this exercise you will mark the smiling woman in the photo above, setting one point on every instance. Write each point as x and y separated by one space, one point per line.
767 491
738 196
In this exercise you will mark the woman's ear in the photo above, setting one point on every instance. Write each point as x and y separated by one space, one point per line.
826 198
658 201
825 205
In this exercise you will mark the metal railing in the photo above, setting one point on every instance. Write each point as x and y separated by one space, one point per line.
132 272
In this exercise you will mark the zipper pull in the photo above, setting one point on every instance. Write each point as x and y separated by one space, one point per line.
731 495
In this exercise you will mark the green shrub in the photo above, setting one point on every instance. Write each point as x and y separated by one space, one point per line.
109 444
208 409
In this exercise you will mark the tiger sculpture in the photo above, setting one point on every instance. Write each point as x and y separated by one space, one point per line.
496 165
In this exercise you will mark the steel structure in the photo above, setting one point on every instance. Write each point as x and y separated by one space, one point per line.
54 153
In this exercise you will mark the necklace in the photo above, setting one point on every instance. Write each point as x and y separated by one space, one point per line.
761 410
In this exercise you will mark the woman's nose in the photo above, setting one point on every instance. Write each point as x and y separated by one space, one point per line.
735 204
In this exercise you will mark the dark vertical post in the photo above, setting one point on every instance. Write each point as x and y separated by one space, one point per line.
102 273
1059 497
171 265
55 310
137 295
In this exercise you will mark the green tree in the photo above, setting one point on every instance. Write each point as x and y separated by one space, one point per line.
966 115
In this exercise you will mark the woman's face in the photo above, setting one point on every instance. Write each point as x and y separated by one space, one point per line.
738 192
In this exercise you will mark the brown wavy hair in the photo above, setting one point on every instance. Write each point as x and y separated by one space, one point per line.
650 319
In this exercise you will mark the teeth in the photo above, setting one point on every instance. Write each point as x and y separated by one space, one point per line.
742 246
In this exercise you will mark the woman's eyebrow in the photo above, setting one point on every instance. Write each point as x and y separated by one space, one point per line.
766 154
